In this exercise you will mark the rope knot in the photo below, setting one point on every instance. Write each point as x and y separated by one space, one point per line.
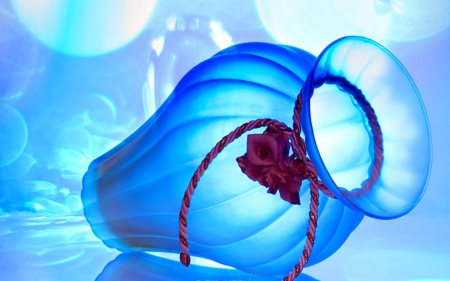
268 161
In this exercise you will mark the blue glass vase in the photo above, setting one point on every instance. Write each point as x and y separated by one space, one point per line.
132 194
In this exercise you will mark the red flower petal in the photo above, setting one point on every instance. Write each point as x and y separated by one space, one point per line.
262 149
290 191
248 168
267 161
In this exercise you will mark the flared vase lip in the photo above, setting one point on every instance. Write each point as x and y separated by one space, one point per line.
348 197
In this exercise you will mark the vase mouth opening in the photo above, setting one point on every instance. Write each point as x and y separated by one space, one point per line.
387 87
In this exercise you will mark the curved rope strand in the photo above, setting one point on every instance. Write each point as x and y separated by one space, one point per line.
186 202
377 136
299 147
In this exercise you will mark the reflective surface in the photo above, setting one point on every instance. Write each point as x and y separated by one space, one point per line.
142 266
77 107
50 247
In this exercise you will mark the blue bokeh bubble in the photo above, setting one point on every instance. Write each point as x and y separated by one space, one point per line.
307 24
397 20
18 57
13 134
85 28
18 168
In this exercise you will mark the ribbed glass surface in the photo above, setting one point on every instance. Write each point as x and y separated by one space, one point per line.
343 159
133 193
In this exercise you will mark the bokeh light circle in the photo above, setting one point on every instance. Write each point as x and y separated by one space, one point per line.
397 20
73 202
309 25
312 25
18 57
13 134
83 27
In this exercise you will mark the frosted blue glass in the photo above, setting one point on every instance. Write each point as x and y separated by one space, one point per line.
132 194
402 118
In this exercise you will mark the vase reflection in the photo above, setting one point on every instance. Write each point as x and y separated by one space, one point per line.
143 266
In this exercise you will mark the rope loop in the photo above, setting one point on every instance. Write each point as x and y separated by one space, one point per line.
300 152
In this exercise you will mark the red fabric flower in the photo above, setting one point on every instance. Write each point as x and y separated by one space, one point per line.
267 161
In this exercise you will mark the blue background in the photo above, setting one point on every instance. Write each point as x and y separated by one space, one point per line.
77 78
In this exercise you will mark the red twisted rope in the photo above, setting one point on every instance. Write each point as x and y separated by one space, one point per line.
299 148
